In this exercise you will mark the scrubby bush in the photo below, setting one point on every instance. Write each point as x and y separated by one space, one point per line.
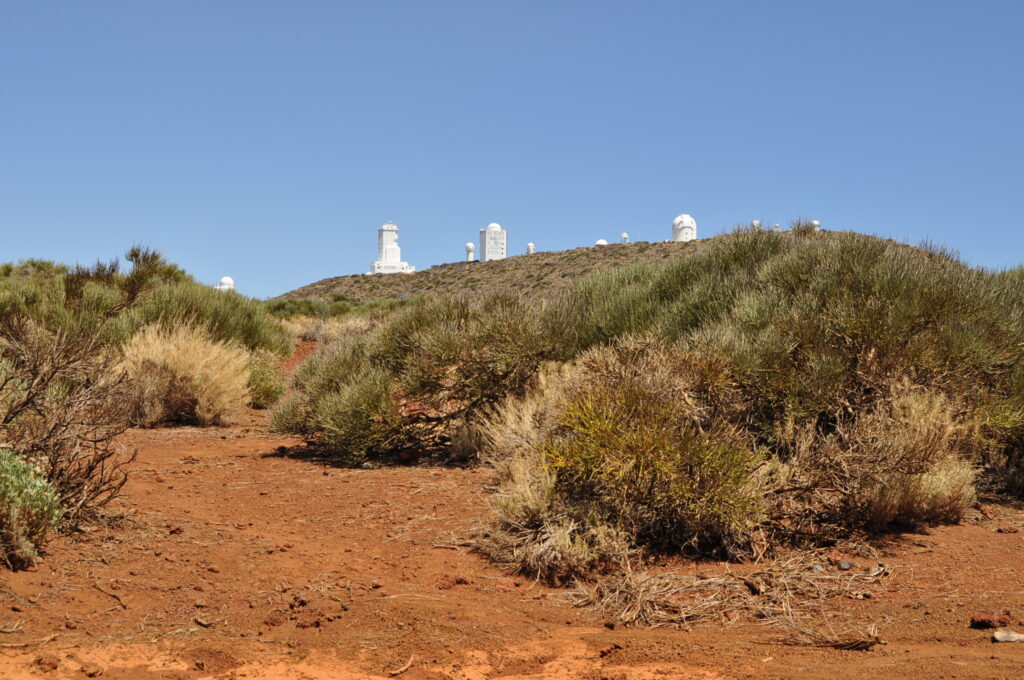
226 316
183 376
906 460
63 401
415 381
29 510
813 383
266 383
628 448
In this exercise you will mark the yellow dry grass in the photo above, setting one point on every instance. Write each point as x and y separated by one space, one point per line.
183 376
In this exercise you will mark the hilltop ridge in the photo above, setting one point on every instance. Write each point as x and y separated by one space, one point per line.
542 271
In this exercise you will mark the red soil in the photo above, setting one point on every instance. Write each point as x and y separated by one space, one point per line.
234 561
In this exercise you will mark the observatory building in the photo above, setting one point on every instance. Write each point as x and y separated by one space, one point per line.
226 283
684 228
493 243
470 252
389 255
624 237
531 248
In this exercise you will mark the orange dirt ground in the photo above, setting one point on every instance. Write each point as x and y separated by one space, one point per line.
234 559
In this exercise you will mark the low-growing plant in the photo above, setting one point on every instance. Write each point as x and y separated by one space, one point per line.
266 382
183 376
29 510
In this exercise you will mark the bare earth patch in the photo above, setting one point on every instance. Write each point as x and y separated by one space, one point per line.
233 560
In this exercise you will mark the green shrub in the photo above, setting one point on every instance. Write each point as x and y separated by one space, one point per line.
29 510
226 316
266 383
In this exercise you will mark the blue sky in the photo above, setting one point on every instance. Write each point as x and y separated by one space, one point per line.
269 140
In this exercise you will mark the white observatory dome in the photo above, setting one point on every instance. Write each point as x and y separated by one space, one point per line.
470 246
493 226
601 242
226 283
684 220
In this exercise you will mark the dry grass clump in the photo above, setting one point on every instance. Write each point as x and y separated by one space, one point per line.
772 593
182 376
904 461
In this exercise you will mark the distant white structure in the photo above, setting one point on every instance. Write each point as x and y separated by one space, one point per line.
470 252
389 255
226 283
531 248
756 224
493 243
601 242
778 227
624 238
684 228
816 225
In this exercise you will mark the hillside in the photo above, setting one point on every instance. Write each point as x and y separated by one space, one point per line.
544 271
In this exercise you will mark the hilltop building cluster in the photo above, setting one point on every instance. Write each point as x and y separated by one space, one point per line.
493 245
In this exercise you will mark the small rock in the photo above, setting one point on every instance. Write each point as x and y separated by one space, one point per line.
47 663
376 584
1007 530
845 565
610 625
213 570
367 465
985 620
91 670
176 530
1007 636
609 649
817 568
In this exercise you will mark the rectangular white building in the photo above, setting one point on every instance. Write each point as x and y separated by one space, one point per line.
389 255
493 243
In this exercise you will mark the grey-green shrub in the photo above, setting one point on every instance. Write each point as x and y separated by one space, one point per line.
266 383
29 510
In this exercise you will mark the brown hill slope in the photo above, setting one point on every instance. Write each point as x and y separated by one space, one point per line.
544 271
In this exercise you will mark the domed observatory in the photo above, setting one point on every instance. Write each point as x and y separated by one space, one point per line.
493 243
531 248
389 255
684 228
470 252
601 242
226 283
623 237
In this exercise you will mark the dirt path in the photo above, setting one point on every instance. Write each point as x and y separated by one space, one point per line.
235 561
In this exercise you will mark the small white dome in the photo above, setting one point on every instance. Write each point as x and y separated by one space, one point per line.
470 246
601 242
227 281
493 226
684 220
389 226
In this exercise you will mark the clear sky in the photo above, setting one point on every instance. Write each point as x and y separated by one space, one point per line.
269 140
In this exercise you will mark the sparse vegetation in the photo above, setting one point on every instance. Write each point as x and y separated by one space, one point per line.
181 375
758 389
266 384
29 511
